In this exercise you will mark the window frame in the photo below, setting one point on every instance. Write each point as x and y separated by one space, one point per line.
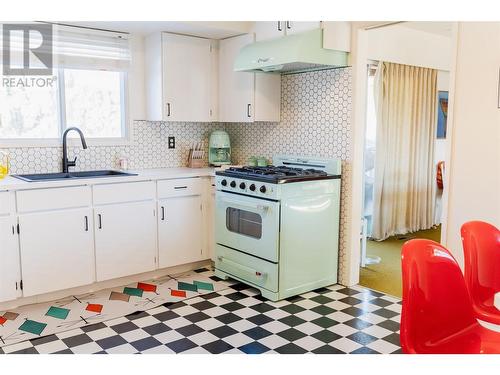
124 140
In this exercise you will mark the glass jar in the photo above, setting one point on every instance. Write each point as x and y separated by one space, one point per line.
4 164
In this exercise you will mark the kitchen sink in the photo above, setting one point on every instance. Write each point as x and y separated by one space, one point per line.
71 175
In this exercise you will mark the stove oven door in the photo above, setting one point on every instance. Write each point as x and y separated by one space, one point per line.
247 224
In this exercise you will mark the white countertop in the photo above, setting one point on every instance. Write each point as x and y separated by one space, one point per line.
12 183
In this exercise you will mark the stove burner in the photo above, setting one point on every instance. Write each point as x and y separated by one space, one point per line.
274 173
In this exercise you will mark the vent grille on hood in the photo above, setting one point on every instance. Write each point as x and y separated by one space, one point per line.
290 54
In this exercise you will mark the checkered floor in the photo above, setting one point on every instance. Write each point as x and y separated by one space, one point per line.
238 320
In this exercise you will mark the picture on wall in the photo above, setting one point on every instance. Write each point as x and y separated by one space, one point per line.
442 114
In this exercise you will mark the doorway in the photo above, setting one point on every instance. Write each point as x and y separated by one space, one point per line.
380 267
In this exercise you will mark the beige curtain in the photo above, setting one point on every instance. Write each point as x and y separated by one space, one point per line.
404 189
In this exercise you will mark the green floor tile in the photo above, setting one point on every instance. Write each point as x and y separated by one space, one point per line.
57 312
133 291
33 327
204 286
186 286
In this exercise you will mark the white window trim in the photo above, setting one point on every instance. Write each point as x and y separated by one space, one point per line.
125 140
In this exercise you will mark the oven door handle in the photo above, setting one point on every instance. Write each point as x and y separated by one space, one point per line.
258 207
252 272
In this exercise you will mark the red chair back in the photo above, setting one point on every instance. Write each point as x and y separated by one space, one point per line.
436 304
481 243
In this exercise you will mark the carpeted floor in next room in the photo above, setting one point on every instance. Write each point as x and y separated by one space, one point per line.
386 275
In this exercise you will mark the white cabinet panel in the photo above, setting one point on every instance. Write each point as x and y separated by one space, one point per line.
180 186
187 85
337 35
210 218
236 89
53 199
125 239
180 76
269 30
267 97
56 250
265 30
124 192
245 97
180 230
294 27
9 260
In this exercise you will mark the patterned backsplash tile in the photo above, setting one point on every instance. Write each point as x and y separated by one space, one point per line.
315 121
148 149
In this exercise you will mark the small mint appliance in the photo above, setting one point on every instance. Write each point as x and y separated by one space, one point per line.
219 148
277 227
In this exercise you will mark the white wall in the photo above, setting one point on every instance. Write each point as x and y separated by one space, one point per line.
473 175
407 46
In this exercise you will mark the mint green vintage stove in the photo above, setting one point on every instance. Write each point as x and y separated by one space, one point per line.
277 227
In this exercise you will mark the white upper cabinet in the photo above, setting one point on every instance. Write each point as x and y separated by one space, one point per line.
337 35
294 27
274 29
180 78
245 97
236 89
268 30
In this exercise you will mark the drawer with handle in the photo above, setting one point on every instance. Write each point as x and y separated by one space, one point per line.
246 267
180 187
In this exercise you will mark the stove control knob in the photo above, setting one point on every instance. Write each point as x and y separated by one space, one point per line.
252 187
263 189
242 186
223 182
232 184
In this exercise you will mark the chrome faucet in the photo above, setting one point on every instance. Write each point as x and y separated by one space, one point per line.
65 162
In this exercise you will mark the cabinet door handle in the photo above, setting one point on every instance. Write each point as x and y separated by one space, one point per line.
249 110
162 213
288 25
279 26
168 109
86 223
99 218
180 187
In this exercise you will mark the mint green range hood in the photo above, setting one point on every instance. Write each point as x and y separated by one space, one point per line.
289 54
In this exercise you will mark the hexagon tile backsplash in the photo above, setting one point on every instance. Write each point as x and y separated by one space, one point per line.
148 149
315 121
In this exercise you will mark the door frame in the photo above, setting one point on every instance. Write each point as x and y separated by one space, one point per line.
359 61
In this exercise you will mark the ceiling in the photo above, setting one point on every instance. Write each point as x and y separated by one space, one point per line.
439 28
207 29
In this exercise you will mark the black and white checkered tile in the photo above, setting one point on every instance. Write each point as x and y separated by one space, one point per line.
238 320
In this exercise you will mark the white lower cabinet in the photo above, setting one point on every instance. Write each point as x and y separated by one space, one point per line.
57 250
60 238
125 239
9 260
180 230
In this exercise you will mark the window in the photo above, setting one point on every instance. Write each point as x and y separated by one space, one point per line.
94 102
88 91
91 100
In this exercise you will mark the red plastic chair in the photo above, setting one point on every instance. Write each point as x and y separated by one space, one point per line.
481 242
437 315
